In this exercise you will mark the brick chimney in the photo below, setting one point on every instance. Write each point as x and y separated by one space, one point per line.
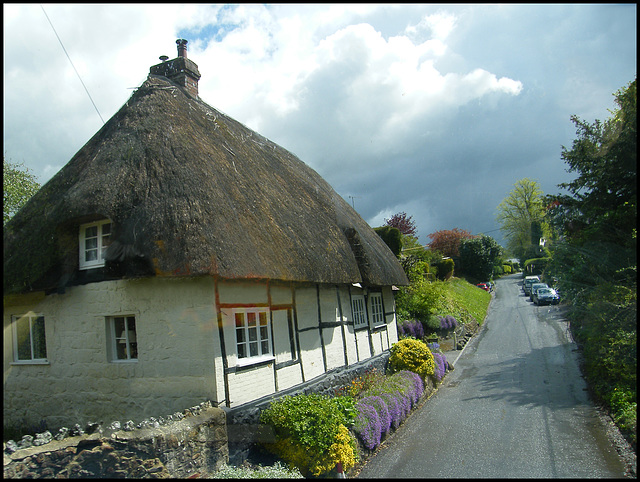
180 70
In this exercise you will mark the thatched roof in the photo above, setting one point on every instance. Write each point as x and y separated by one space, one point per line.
191 191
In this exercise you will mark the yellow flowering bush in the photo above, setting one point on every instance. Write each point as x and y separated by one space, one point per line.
310 461
413 355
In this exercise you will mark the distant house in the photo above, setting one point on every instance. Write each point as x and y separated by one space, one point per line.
181 257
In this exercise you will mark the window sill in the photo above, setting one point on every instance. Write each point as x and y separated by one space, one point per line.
133 360
31 362
249 362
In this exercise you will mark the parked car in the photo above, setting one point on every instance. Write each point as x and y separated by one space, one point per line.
484 286
535 287
546 296
528 281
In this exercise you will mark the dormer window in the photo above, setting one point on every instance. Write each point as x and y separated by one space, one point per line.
94 240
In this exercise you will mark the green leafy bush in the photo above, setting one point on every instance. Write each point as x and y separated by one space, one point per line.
312 432
445 268
432 323
413 355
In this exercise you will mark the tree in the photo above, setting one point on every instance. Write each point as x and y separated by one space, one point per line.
447 241
405 224
392 238
602 203
479 255
521 216
18 186
596 260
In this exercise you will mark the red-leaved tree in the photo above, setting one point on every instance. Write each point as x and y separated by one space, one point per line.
403 223
447 241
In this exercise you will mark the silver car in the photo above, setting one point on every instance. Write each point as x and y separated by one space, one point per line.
535 287
546 296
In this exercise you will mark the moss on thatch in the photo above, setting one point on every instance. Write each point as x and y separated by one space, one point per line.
191 192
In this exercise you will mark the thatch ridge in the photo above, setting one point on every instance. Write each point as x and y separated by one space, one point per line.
191 191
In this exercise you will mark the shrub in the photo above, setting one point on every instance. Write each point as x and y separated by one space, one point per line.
359 384
445 268
412 355
411 328
433 323
441 365
386 405
310 430
368 425
448 322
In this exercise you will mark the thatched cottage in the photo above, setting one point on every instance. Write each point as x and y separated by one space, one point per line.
181 257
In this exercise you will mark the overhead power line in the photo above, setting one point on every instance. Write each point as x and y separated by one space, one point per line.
74 67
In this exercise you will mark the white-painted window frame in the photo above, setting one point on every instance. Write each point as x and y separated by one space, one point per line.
95 244
252 327
376 308
34 345
358 311
125 337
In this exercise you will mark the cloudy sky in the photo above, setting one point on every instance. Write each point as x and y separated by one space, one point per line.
432 110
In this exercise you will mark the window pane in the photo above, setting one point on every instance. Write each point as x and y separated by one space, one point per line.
106 229
91 232
251 319
240 338
253 334
23 334
253 349
242 351
263 318
265 347
131 337
91 243
239 320
91 255
120 338
39 339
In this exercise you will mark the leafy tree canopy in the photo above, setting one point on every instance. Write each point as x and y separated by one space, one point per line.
405 224
521 216
479 255
392 238
447 241
602 200
18 185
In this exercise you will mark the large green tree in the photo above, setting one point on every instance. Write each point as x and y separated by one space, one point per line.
18 185
521 217
596 261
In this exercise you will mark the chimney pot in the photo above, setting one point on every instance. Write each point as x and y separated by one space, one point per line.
182 47
164 58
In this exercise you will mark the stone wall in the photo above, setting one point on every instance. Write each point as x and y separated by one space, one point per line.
196 445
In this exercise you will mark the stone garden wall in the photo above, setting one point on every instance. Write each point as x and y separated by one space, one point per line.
186 446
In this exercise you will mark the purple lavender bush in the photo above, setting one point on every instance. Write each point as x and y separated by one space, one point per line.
447 322
415 386
441 365
383 411
411 328
367 425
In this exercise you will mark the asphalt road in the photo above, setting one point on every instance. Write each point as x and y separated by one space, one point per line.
515 406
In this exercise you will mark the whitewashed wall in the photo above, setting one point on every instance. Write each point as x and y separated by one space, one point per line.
175 366
180 362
